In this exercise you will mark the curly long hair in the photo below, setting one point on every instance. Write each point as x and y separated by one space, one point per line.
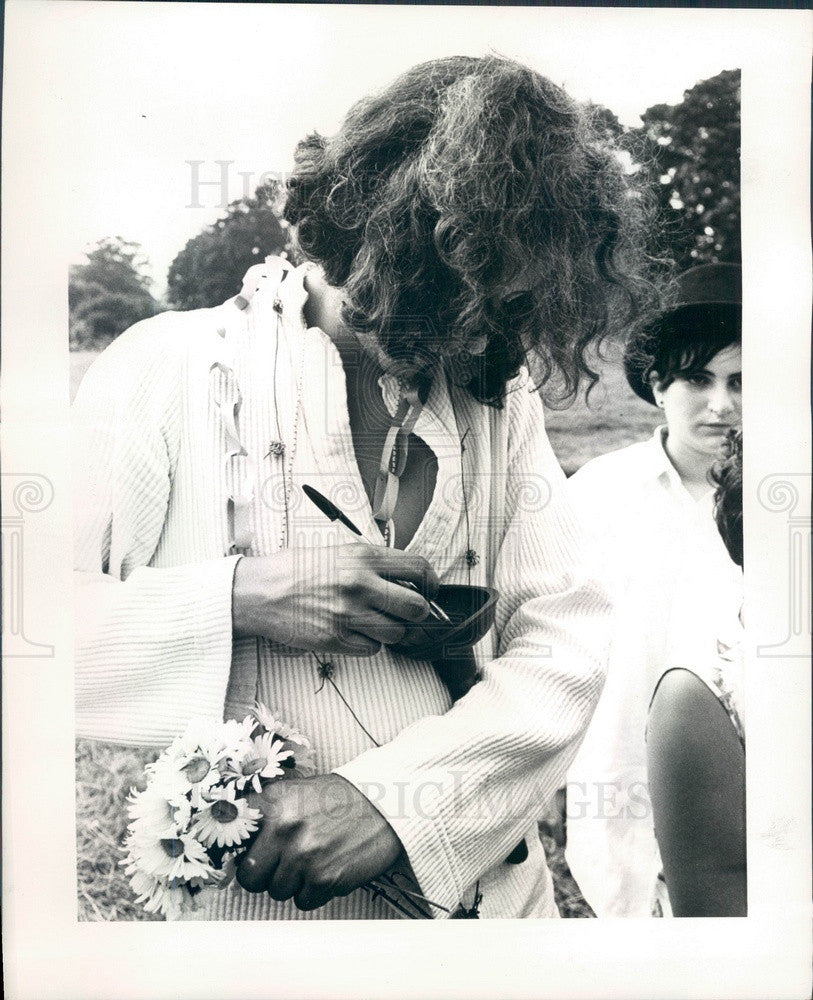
474 212
726 475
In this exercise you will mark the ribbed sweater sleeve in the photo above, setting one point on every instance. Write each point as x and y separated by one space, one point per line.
153 645
462 789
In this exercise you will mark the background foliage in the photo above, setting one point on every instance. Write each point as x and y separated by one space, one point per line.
693 149
108 293
210 268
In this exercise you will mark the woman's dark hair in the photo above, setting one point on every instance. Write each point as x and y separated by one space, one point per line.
683 341
439 193
727 477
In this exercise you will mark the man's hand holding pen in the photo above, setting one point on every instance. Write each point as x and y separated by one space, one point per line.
333 513
337 599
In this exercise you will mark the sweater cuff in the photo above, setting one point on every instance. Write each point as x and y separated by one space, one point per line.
158 654
213 620
410 807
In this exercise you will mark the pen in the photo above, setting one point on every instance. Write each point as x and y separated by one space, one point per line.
331 511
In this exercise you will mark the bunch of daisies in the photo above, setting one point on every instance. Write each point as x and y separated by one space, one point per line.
193 820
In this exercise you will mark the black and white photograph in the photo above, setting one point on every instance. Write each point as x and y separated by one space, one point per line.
392 395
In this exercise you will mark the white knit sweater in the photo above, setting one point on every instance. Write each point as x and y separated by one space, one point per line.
461 785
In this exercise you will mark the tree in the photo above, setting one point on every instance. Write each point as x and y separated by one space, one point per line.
694 151
108 293
211 266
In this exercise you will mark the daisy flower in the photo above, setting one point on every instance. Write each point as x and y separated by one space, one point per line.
173 858
154 815
190 824
261 757
226 821
300 763
204 738
170 898
143 885
267 718
187 774
173 899
233 734
271 721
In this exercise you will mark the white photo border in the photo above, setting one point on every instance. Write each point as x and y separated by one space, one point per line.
49 954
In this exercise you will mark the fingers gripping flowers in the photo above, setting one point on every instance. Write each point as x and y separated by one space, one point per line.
193 820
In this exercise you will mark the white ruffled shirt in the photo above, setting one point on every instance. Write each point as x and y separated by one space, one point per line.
673 584
461 785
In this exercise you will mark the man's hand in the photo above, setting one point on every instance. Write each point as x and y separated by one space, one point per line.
333 599
320 838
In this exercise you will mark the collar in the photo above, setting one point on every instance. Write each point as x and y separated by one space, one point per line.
659 466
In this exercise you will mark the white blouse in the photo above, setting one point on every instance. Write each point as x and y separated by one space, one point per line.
157 463
650 542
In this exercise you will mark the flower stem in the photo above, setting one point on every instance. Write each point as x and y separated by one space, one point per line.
377 891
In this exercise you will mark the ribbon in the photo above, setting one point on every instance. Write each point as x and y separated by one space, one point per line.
396 442
238 506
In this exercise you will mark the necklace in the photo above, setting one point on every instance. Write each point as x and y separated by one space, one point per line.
393 462
277 447
472 558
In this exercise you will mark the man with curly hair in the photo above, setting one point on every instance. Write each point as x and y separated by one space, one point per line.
468 233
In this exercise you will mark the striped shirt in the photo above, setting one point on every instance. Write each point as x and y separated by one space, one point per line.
156 464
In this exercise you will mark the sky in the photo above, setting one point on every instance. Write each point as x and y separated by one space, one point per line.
137 91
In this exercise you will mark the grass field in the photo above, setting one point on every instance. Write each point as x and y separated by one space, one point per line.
614 417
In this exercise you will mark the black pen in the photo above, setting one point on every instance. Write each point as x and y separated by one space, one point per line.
331 511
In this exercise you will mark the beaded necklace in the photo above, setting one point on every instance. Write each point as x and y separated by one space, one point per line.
277 447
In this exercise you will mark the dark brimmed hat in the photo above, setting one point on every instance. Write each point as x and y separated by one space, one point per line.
707 296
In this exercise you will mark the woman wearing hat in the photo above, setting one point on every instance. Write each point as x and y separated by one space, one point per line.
650 508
